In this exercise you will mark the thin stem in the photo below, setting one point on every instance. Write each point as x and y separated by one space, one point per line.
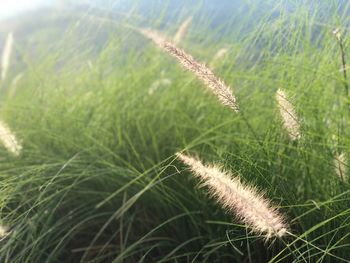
255 135
342 51
340 41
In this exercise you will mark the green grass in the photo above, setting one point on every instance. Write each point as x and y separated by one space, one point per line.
98 180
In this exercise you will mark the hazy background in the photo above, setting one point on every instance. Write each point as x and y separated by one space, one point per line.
100 112
11 8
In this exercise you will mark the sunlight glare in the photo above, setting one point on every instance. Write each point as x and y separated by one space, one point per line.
8 7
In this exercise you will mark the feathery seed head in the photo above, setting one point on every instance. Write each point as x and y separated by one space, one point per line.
6 56
241 200
157 84
181 32
337 34
3 231
9 140
153 35
220 54
201 71
289 117
340 166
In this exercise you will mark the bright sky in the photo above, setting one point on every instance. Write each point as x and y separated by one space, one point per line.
11 7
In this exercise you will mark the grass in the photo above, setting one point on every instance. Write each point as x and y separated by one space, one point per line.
98 180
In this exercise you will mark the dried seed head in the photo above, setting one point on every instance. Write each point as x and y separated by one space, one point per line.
289 117
157 84
337 34
220 54
9 140
241 200
201 71
340 166
6 56
3 231
181 32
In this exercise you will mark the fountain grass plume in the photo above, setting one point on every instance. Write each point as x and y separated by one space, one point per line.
289 117
6 56
9 140
201 71
221 53
3 231
243 201
163 82
181 32
340 166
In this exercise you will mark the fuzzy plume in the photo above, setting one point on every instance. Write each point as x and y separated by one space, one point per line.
336 32
9 140
3 231
289 117
6 56
201 71
219 55
243 201
181 32
340 166
163 82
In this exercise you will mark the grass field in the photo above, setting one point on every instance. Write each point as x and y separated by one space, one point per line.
97 179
